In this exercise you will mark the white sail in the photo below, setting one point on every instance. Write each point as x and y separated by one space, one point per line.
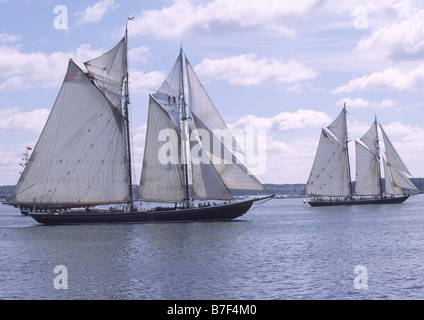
370 139
233 174
391 184
339 127
109 71
80 157
367 172
207 184
395 170
330 172
392 157
161 178
368 175
169 94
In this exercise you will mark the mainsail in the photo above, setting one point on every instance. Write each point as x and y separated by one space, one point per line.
80 157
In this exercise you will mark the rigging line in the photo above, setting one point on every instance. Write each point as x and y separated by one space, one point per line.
154 67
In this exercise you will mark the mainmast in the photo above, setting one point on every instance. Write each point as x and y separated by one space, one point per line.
378 158
347 154
127 118
184 132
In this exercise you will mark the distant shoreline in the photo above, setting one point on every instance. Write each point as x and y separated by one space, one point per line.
282 191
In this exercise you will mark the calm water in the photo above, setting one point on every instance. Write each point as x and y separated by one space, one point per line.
280 250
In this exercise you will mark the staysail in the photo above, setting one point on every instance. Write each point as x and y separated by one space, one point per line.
80 157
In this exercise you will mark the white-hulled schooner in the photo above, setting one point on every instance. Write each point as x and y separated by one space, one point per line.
83 156
330 182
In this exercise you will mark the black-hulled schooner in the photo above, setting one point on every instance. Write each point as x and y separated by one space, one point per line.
83 156
330 182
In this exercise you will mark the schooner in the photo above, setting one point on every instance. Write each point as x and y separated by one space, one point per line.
83 156
330 181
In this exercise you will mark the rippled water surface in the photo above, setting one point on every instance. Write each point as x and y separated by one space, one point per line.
282 249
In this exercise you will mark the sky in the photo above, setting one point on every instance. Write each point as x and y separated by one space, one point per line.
281 67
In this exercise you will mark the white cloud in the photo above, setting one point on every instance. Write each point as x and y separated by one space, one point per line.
284 121
184 17
96 12
145 82
275 17
37 69
140 54
397 41
287 160
15 120
361 103
4 38
250 70
389 79
409 143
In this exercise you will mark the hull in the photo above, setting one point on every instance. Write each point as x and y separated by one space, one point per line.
350 202
212 213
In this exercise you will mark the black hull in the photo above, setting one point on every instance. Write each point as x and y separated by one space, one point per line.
211 213
350 202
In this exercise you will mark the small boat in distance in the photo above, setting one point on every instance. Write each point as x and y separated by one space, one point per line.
81 168
330 182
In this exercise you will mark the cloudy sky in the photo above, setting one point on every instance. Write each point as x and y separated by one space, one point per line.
286 67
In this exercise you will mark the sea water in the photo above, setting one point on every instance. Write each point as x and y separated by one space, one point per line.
282 249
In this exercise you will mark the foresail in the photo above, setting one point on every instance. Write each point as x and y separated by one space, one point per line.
109 71
80 157
330 172
161 177
206 119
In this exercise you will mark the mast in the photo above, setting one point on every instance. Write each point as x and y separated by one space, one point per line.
127 118
347 154
377 141
184 131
